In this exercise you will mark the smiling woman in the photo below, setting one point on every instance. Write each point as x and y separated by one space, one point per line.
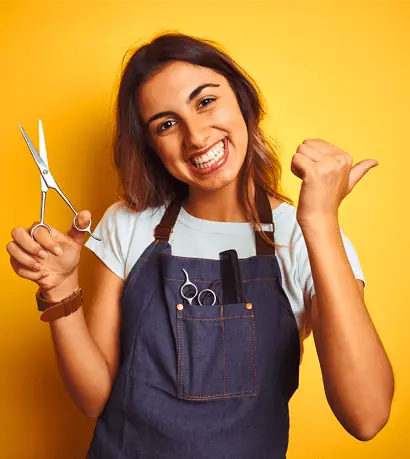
207 122
168 373
181 97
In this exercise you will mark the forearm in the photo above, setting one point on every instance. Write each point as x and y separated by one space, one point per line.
82 365
357 375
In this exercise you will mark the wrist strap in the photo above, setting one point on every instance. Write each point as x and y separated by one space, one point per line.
54 310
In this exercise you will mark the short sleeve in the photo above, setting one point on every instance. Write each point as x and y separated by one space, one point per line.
305 273
109 249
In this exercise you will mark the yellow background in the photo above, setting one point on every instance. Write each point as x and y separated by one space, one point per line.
335 70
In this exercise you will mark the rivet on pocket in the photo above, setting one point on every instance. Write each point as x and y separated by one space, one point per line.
180 307
248 306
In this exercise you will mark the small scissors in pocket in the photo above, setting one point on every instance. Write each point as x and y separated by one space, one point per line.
47 181
196 294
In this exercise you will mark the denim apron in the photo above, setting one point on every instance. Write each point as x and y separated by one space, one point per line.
201 382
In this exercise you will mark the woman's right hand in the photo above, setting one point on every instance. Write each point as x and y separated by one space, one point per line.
50 259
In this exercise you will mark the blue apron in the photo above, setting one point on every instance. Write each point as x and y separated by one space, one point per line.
201 382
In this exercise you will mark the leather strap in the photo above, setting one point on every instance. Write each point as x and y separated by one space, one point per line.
265 216
53 311
164 229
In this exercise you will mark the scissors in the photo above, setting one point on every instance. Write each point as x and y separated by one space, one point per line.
197 295
47 181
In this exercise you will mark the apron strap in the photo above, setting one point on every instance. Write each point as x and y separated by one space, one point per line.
164 229
265 216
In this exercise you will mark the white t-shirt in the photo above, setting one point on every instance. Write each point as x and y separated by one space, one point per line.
126 234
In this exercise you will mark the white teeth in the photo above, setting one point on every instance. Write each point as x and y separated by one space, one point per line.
210 157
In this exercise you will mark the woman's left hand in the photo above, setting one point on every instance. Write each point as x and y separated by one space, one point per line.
328 177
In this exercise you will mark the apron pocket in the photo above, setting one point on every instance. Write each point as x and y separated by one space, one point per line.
216 348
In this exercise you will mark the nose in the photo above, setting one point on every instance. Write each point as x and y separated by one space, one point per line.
197 134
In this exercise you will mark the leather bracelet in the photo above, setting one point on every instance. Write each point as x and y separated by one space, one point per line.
54 310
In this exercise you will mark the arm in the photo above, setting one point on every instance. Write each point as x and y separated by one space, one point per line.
356 372
88 356
357 375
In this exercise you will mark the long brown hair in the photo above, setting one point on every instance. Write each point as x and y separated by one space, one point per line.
145 182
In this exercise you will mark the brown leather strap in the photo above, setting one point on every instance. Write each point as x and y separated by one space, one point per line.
265 216
263 206
164 229
52 311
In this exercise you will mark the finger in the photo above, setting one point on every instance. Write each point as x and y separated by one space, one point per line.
22 237
23 258
47 240
300 165
359 170
25 273
320 143
82 220
310 152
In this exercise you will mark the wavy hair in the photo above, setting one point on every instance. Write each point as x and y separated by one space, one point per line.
144 180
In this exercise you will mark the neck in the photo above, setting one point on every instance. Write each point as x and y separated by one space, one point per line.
221 205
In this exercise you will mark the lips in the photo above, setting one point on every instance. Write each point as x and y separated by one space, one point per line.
213 158
207 159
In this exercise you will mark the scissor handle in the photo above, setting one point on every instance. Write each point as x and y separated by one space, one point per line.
207 290
36 226
188 283
87 229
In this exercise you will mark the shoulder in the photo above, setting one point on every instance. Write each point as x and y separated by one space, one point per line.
124 234
123 216
120 223
287 229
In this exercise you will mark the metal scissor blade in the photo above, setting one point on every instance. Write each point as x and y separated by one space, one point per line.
43 152
42 143
37 158
47 180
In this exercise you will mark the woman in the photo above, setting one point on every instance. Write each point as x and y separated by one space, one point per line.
167 377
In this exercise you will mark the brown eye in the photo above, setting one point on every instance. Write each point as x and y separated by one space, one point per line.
209 99
164 126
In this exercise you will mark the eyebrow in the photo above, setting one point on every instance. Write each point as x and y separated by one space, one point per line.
191 97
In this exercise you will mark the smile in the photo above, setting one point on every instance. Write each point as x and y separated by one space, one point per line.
211 160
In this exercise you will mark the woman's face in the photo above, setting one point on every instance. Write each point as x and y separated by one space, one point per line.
195 125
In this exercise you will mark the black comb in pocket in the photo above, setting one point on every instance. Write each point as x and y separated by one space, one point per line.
230 275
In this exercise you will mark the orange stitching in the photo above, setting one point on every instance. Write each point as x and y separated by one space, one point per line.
136 272
192 280
183 362
255 359
218 318
189 258
224 353
218 396
250 350
172 279
178 358
212 260
275 278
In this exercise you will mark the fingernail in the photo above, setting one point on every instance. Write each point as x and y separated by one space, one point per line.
42 254
37 267
57 251
45 274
